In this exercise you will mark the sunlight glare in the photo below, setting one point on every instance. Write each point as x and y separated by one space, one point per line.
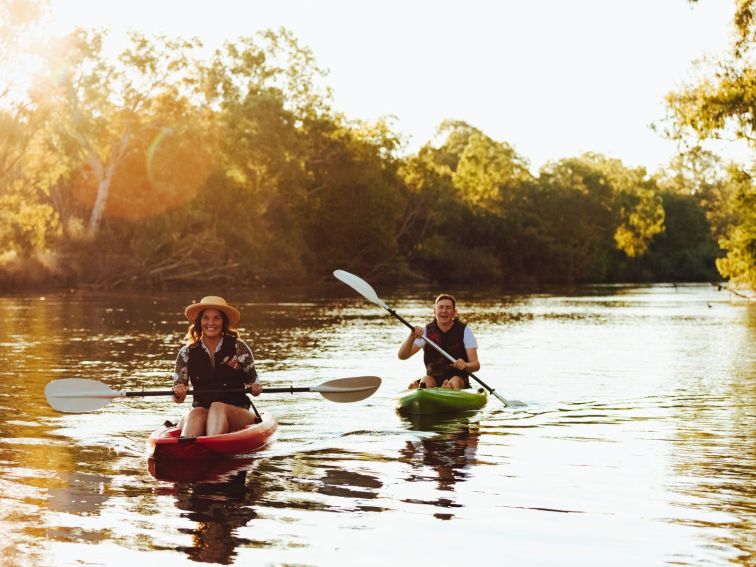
553 79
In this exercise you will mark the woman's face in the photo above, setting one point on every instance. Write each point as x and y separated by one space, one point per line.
212 323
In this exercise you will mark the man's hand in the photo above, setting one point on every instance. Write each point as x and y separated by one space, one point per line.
460 364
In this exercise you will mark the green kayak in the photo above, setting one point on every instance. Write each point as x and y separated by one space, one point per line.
423 401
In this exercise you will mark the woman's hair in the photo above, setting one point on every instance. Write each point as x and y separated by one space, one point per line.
194 332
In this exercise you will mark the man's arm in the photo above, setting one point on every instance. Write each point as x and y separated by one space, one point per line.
409 347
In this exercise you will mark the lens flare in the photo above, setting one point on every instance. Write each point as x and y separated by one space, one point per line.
152 151
160 174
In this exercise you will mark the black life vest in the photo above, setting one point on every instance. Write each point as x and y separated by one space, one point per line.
223 377
453 342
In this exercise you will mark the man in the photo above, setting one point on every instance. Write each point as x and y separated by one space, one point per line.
454 337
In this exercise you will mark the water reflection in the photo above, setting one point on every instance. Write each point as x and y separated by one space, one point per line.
220 509
322 480
79 493
640 414
203 470
449 454
349 484
714 437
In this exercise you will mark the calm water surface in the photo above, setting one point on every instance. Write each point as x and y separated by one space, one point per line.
633 443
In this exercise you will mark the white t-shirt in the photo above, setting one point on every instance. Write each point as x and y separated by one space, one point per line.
469 339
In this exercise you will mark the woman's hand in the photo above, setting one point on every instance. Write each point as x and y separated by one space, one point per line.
255 389
179 393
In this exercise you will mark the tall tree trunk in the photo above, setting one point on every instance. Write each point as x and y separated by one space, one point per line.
104 175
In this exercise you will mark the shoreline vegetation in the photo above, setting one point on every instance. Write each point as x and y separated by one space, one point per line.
160 169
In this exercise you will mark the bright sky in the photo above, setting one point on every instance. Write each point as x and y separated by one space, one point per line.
553 78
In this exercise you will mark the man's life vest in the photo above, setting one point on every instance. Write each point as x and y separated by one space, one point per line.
453 342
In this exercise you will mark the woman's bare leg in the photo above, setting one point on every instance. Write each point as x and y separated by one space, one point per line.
193 423
223 418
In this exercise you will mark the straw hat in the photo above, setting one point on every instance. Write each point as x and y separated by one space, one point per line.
213 302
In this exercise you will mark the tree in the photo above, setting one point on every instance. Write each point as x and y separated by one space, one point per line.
740 238
354 200
489 172
266 89
594 207
428 190
28 222
685 251
263 105
744 23
723 106
463 199
104 107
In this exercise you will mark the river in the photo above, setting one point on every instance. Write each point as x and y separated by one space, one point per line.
628 439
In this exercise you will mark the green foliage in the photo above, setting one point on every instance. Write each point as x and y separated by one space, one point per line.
723 106
26 226
28 223
595 206
740 239
235 170
685 251
452 261
353 203
428 194
576 222
107 110
489 172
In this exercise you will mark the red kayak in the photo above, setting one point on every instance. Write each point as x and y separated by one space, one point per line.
204 470
166 443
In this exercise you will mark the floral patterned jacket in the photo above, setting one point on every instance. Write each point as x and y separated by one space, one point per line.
243 360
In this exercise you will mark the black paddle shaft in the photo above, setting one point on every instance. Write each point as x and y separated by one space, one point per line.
439 349
290 389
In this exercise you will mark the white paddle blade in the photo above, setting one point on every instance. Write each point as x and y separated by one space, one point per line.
360 286
348 389
77 395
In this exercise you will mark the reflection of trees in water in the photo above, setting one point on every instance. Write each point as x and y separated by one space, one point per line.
219 509
714 441
449 453
349 484
300 481
81 493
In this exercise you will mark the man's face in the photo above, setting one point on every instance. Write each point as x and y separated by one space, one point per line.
444 311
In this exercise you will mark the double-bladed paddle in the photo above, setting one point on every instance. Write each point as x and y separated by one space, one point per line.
367 291
77 395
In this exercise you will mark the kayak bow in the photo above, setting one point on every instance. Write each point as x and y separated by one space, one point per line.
423 401
166 443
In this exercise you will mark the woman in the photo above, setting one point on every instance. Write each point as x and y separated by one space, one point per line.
454 337
214 358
